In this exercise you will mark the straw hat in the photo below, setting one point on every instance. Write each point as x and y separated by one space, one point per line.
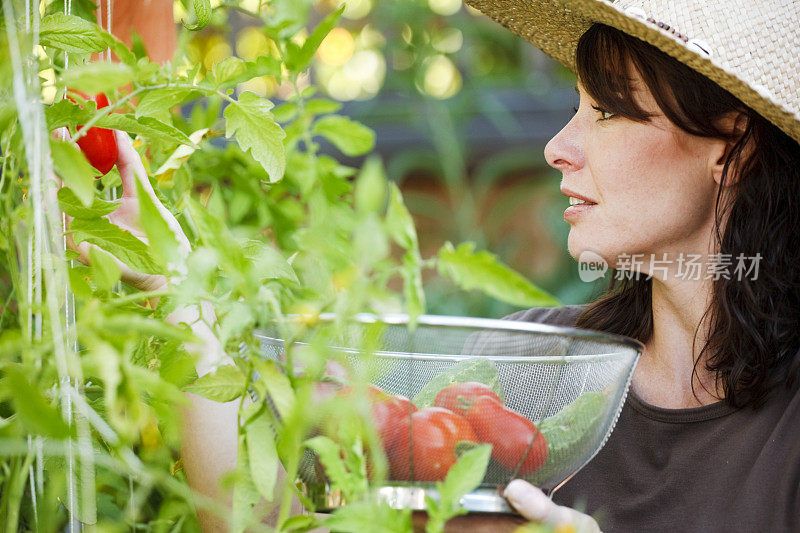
749 47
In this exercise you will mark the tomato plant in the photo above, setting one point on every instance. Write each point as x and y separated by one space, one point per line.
517 444
459 397
232 213
428 450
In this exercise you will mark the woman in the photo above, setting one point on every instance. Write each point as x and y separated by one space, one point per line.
671 163
674 166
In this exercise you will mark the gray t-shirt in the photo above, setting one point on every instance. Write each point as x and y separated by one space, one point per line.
711 468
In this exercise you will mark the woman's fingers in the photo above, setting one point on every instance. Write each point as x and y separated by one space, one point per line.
131 169
534 505
130 166
529 501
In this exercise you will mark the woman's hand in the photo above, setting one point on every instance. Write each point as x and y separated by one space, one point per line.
534 505
126 216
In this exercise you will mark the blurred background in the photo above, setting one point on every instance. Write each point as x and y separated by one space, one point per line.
462 109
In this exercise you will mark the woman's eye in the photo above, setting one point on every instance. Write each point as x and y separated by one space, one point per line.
574 109
603 112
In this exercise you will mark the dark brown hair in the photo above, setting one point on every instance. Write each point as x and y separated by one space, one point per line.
754 324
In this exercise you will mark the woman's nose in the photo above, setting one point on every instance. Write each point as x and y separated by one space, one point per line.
563 151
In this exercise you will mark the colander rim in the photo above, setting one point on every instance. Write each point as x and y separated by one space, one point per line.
399 319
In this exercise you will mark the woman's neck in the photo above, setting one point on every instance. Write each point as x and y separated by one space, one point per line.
663 376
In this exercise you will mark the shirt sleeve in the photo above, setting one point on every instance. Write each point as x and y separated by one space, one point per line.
498 342
565 315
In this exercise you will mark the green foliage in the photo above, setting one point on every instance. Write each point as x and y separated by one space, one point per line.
70 34
347 135
250 121
483 271
74 170
122 244
463 477
223 385
93 375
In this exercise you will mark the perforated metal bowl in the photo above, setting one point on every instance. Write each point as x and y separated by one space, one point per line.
571 383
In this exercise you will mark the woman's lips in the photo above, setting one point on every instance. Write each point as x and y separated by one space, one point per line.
574 212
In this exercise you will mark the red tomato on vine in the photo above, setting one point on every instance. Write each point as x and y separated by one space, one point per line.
98 144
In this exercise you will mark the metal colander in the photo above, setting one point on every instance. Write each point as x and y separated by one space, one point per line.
570 383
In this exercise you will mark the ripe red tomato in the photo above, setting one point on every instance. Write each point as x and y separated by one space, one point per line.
458 397
98 144
510 435
428 450
391 414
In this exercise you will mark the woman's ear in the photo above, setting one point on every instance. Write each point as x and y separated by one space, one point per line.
734 123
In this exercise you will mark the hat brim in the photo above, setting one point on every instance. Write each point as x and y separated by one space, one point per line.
555 26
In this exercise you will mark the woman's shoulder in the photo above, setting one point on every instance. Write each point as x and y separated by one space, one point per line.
565 315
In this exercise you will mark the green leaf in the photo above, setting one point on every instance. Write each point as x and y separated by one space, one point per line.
288 17
121 322
261 450
211 230
245 492
72 206
181 154
118 47
235 322
159 102
336 471
412 285
70 33
262 66
399 222
162 240
224 384
569 432
267 262
202 12
277 385
79 282
35 412
300 60
464 476
116 241
98 76
226 72
105 271
371 186
485 272
322 106
361 516
149 127
300 522
65 113
349 136
74 170
251 122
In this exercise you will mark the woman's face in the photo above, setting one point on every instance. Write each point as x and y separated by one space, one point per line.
652 183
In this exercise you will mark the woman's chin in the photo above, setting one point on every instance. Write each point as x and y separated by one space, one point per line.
579 246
